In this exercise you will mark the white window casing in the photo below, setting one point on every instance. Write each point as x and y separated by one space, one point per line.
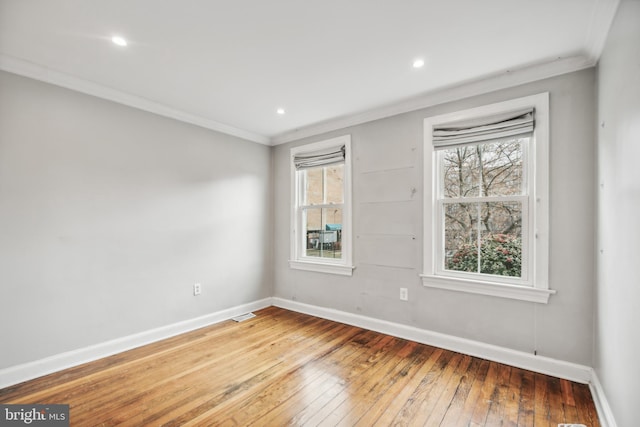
533 285
321 153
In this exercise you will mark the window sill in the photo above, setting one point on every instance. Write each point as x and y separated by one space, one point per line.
523 293
343 270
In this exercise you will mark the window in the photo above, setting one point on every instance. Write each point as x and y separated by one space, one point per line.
321 206
486 200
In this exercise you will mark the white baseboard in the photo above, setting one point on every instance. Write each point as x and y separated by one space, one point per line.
600 400
543 365
557 368
28 371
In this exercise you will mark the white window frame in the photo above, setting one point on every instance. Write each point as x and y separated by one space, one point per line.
298 260
534 286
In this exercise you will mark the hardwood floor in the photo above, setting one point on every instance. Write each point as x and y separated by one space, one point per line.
285 368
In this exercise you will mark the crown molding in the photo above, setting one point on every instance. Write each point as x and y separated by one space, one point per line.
604 11
58 78
491 83
509 78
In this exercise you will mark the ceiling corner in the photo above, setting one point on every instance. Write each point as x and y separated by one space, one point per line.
604 11
57 78
479 86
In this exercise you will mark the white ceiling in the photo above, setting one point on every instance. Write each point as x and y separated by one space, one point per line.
229 64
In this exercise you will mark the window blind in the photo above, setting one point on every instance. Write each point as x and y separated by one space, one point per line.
316 159
448 135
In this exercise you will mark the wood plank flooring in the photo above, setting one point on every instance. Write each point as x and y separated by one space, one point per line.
284 368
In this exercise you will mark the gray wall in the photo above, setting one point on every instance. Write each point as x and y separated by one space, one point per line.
617 351
109 215
387 196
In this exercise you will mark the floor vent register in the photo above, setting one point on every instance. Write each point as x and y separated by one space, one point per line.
248 316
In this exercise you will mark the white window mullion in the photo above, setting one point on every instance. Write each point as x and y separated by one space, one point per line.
324 185
527 237
479 236
323 206
440 227
490 199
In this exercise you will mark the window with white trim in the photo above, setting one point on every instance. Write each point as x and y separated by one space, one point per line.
321 206
486 200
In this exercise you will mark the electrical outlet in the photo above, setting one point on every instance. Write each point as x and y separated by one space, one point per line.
404 294
197 289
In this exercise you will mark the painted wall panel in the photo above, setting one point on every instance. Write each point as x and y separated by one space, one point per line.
387 148
384 176
388 250
395 218
109 215
617 347
380 291
394 185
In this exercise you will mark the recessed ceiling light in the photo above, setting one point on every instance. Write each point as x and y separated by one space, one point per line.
120 41
280 111
418 63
